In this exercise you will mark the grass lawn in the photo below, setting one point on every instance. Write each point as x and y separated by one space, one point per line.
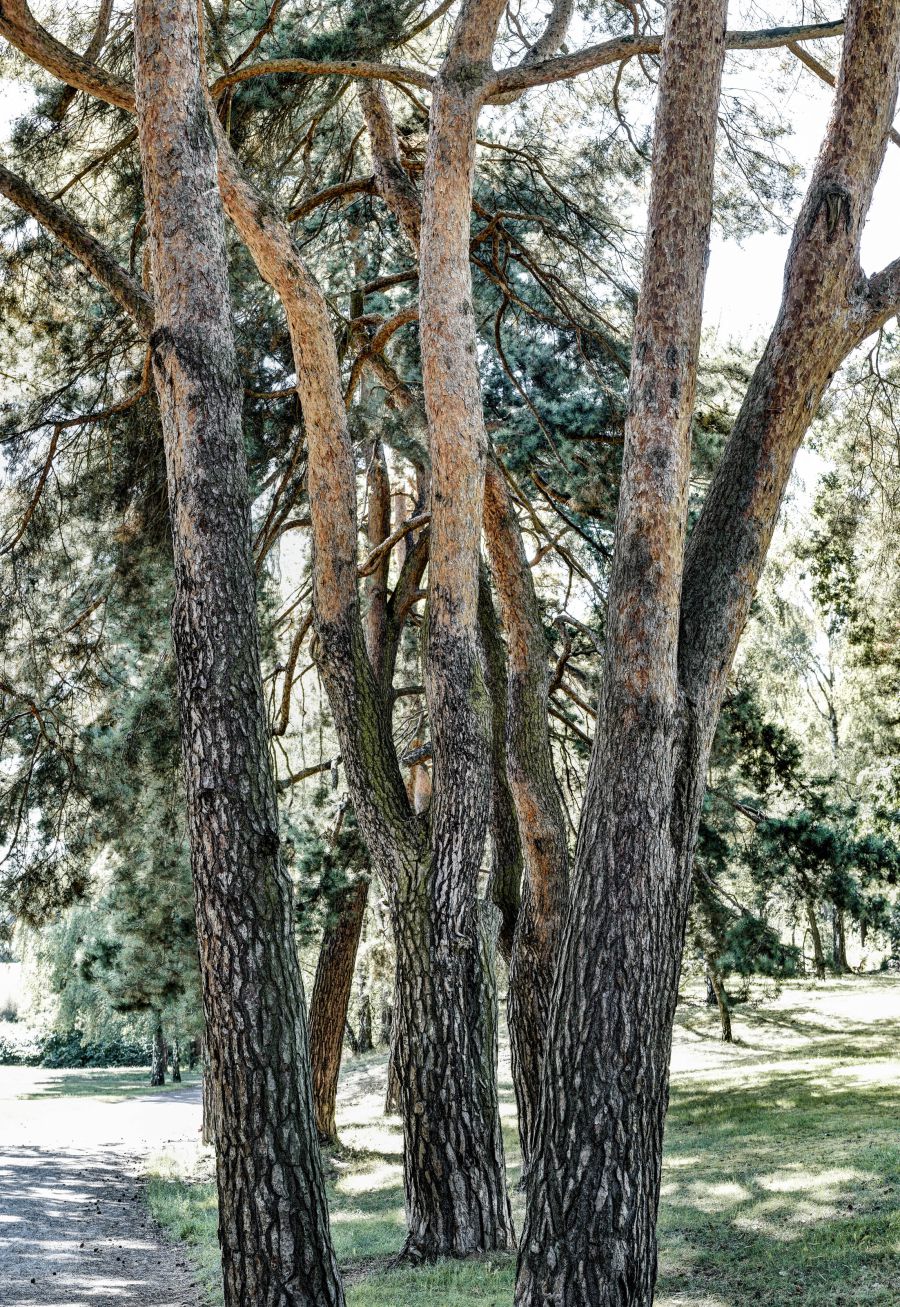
781 1185
110 1085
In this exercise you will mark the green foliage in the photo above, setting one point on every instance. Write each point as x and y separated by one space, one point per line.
28 1047
70 1049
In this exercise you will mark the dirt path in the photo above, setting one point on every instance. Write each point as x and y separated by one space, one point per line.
74 1230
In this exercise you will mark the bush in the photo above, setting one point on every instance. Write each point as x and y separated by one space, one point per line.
68 1049
20 1046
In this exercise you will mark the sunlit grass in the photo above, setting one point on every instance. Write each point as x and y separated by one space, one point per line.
110 1084
781 1179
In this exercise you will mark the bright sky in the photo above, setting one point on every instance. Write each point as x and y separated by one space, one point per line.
743 287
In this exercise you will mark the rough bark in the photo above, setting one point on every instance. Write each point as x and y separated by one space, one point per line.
273 1215
593 1188
176 1062
449 1094
330 1001
592 1200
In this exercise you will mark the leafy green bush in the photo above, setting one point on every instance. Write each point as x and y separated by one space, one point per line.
69 1049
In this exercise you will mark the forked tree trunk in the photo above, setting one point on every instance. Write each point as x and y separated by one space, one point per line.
330 1001
273 1215
672 633
158 1056
593 1187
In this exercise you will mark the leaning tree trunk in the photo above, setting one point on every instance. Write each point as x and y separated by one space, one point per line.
593 1187
330 1001
273 1215
158 1055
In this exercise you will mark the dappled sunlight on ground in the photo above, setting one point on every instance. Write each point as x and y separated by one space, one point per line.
781 1179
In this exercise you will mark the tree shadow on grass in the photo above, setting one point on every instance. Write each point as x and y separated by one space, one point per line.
785 1190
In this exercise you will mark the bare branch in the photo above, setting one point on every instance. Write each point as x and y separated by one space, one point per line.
377 554
629 47
363 68
394 184
91 54
355 186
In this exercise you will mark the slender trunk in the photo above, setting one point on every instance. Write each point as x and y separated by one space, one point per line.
158 1056
392 1103
208 1094
273 1215
505 878
176 1062
210 1114
839 937
816 937
457 1201
330 1001
715 983
593 1187
541 825
364 1039
710 992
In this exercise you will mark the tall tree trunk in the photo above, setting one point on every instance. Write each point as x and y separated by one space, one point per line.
816 937
273 1215
590 1232
176 1062
449 1094
593 1188
330 1001
158 1055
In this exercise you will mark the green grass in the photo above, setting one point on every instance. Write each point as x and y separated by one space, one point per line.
781 1184
109 1084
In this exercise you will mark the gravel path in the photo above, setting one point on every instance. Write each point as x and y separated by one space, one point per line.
74 1230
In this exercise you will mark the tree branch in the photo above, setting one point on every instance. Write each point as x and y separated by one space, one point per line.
362 68
827 309
96 258
528 74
